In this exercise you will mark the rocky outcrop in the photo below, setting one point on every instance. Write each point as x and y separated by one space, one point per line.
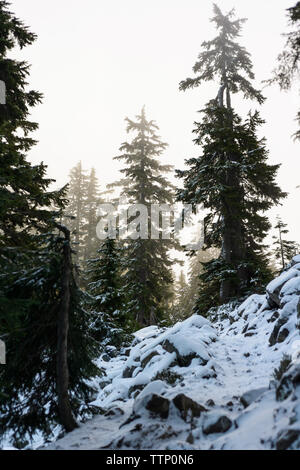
187 407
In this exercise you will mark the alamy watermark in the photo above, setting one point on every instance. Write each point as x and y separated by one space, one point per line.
123 220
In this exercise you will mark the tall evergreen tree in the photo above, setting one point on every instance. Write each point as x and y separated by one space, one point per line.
289 59
49 347
93 199
45 329
284 250
147 265
107 298
24 195
232 177
76 211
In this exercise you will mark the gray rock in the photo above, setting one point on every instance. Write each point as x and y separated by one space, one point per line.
287 438
148 358
282 335
218 425
210 403
274 335
128 371
252 395
187 406
158 405
183 361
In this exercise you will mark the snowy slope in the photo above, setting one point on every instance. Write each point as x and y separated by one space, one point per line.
205 384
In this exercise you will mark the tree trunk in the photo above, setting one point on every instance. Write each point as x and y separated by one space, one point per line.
64 407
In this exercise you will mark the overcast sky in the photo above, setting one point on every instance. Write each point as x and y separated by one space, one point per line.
99 61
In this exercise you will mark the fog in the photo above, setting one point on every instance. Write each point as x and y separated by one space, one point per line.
99 61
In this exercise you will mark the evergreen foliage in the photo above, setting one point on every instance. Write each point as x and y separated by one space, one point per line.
231 177
284 250
30 300
107 298
147 265
289 59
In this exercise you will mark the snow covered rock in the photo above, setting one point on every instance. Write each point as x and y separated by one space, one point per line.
289 381
216 423
188 408
252 395
288 439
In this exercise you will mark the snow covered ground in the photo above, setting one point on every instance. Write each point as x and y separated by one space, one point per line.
205 384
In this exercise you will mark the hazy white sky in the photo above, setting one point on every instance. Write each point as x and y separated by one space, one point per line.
99 61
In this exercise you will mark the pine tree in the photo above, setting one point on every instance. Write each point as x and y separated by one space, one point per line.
107 298
284 250
180 310
24 195
38 295
49 346
147 265
289 59
232 177
76 211
93 199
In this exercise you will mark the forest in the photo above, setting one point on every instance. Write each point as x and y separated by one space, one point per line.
114 332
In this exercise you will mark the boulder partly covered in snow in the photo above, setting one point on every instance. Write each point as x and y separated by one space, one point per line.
165 354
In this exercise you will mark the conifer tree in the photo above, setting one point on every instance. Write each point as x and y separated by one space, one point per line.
38 295
24 196
49 345
289 59
179 310
284 250
147 265
231 177
93 199
76 211
107 298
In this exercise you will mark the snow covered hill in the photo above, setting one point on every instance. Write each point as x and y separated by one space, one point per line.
206 384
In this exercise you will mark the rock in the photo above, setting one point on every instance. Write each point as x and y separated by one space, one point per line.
104 383
274 287
105 358
288 382
273 337
252 395
247 354
158 405
283 334
273 317
135 388
217 424
190 439
210 403
250 333
183 361
287 438
114 412
111 351
187 406
128 371
148 358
